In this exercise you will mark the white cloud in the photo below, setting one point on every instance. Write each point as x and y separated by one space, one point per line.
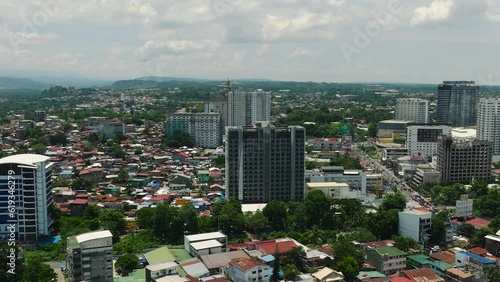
303 52
438 10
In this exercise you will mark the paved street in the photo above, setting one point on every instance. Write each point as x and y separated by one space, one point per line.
57 268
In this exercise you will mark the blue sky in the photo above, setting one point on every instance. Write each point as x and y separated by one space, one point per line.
315 40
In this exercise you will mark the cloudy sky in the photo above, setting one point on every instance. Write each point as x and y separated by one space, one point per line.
316 40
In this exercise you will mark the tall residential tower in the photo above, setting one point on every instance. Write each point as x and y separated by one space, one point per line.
488 122
412 109
265 163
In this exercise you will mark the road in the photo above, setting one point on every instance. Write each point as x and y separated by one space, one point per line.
57 268
387 174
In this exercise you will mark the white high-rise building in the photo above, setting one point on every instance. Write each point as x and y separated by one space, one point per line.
245 108
205 128
422 139
415 224
25 179
488 122
412 109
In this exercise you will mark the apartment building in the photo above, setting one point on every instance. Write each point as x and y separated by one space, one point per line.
205 128
488 122
415 224
265 163
413 109
387 260
90 257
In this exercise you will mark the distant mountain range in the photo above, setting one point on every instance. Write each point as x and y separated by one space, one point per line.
43 82
11 83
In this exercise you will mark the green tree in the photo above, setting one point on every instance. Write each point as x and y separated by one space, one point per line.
343 249
38 149
146 217
123 176
189 216
372 130
205 224
256 220
404 243
113 220
5 264
394 201
92 212
438 228
36 270
81 184
318 206
478 239
275 277
275 212
290 272
126 264
296 257
467 230
58 139
349 267
296 217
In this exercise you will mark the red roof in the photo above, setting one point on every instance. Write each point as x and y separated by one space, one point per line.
82 196
183 154
445 256
79 202
161 197
478 251
245 263
111 199
477 222
269 246
422 274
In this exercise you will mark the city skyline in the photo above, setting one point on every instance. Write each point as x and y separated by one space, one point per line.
321 40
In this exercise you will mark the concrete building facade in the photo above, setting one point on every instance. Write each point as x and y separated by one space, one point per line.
25 179
90 257
457 103
463 160
422 139
205 128
488 122
265 163
415 224
413 109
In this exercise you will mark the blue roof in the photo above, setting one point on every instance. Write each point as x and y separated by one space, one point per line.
267 258
51 240
478 257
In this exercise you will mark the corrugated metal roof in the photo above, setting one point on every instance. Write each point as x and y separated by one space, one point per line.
222 259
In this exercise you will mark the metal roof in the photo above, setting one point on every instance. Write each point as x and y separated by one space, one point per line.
222 259
24 159
93 236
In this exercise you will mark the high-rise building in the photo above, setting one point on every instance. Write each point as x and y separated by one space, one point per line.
245 108
90 256
457 103
463 160
39 116
265 163
422 139
415 224
412 109
205 128
26 180
488 122
240 108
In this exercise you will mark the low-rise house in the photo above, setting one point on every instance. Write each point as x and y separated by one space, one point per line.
422 274
156 271
248 270
202 176
387 260
328 275
421 261
77 207
194 268
216 263
94 175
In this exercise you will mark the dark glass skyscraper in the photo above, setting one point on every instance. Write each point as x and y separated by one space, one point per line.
457 103
265 163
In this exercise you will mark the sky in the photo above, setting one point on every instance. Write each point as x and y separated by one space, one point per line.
422 41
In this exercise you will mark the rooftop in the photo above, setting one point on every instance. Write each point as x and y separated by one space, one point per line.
426 260
204 236
24 159
163 265
206 244
93 236
164 254
222 259
245 263
390 251
326 185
